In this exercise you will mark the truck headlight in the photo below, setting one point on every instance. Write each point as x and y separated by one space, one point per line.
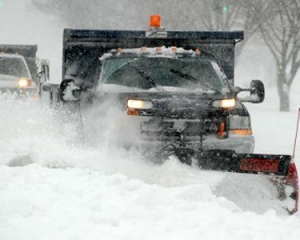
139 104
24 83
224 103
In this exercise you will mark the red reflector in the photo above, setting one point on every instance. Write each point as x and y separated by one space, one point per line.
259 165
292 177
221 129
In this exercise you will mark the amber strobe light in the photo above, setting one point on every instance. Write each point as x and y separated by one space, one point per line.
155 21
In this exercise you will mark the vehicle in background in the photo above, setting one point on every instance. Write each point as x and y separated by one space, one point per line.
21 72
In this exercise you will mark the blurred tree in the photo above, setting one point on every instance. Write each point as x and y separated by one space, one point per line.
276 21
181 15
92 13
279 25
187 15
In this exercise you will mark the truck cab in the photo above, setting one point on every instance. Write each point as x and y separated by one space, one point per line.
168 93
15 74
21 70
177 86
179 98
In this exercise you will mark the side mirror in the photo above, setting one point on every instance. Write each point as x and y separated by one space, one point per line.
69 91
257 92
43 74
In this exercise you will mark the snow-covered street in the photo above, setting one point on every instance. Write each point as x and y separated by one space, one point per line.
78 192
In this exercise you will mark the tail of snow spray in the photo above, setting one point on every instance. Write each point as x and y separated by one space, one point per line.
296 136
292 178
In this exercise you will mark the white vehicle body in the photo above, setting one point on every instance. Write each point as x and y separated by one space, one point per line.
14 73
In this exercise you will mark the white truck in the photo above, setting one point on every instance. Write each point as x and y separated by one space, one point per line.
21 72
176 89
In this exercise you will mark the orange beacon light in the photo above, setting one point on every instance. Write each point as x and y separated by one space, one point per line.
155 21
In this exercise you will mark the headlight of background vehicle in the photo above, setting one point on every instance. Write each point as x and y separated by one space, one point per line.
224 103
24 83
139 104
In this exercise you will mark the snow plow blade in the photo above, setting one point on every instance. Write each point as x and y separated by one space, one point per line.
244 163
281 170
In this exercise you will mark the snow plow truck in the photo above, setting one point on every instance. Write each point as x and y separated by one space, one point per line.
178 90
21 72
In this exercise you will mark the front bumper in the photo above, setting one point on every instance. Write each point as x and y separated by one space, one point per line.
20 93
239 144
151 138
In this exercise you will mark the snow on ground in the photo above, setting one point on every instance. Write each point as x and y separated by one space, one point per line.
275 131
75 192
78 192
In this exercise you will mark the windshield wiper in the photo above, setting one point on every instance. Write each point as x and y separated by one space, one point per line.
144 75
192 78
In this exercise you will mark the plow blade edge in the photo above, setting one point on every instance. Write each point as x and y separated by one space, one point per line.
281 170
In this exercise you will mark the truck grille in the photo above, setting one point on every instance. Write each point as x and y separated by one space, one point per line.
179 130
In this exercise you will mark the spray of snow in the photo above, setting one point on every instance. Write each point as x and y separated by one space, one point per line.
60 188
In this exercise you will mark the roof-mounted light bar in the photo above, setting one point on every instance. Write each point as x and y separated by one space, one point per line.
156 30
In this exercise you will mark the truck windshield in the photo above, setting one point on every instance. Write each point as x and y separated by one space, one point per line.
147 72
12 66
